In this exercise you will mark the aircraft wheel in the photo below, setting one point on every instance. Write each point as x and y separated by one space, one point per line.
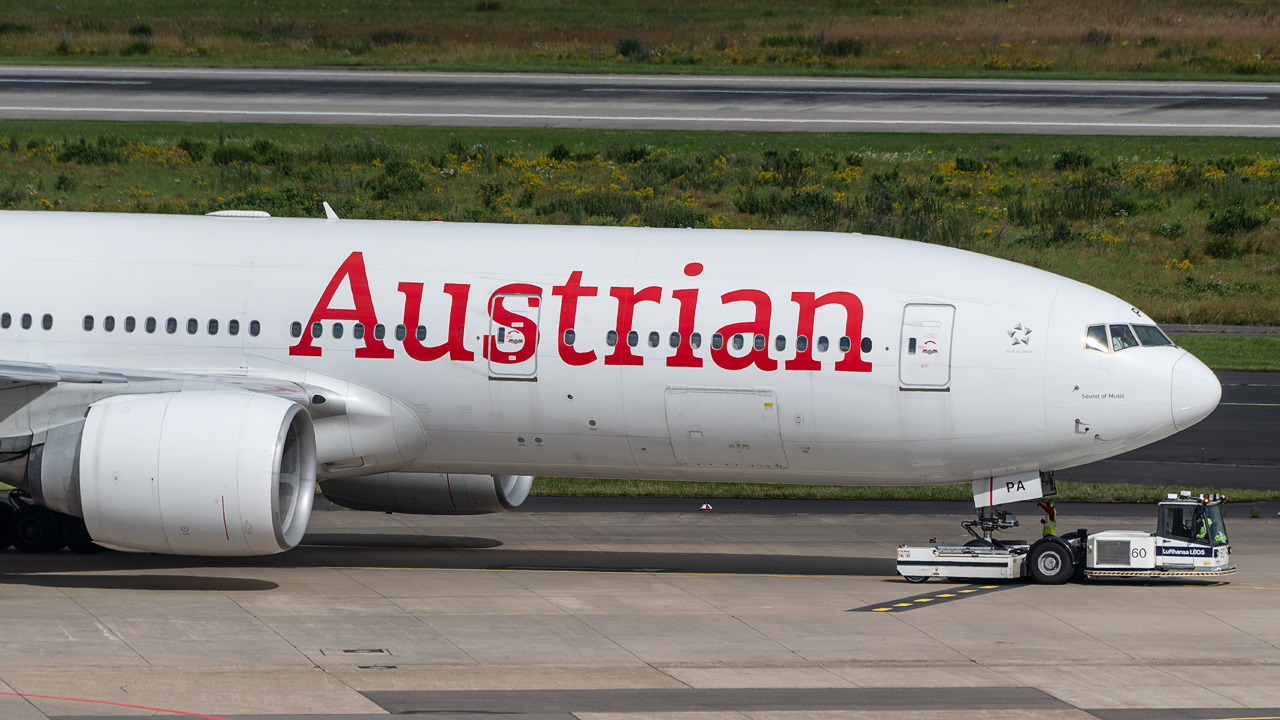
1051 563
6 514
34 529
77 537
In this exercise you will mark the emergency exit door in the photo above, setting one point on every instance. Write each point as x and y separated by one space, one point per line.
924 362
513 337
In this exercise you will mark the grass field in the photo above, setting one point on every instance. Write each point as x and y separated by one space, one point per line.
1234 353
1136 38
1185 228
1067 491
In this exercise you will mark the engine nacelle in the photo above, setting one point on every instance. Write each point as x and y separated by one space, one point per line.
429 493
190 473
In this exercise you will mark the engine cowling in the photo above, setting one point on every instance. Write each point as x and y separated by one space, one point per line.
429 493
191 473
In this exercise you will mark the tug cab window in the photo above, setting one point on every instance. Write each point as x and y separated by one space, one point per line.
1122 338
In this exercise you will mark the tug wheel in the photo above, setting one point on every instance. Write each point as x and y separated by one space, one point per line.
915 578
1051 563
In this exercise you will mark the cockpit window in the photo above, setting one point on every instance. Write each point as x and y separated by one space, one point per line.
1151 335
1122 337
1096 338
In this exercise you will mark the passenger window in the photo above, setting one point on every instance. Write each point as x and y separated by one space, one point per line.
633 338
845 345
1122 337
717 341
255 327
737 341
695 340
6 320
654 339
88 323
192 326
759 342
151 325
26 321
802 343
402 332
233 327
1095 338
822 343
379 332
46 322
337 330
866 345
570 336
421 334
357 331
171 325
130 324
296 329
1150 335
109 323
213 327
316 330
780 343
611 339
675 339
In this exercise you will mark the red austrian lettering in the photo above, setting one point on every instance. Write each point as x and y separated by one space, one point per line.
570 292
452 346
627 300
809 304
688 299
759 326
353 271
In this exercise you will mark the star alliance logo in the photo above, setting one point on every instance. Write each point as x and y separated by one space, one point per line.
1020 335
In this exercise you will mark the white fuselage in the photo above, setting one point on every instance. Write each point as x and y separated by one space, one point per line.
960 366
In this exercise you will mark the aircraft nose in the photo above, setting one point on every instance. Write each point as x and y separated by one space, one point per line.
1195 392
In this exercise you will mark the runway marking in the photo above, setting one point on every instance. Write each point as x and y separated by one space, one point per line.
931 599
116 704
642 118
74 82
1253 404
922 93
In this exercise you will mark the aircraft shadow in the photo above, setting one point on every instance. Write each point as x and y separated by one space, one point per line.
420 552
171 583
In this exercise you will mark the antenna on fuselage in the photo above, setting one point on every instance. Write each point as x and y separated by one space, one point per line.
328 212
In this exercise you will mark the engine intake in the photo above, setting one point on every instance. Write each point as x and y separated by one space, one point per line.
429 493
191 473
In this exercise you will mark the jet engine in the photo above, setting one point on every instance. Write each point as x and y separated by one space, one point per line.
429 493
190 473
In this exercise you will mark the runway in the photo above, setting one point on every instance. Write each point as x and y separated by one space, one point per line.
611 614
810 104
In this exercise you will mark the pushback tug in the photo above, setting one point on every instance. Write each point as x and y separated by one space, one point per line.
1190 541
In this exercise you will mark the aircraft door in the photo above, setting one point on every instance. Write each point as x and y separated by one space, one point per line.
512 344
725 427
924 362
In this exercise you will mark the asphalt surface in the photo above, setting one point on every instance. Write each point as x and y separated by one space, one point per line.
615 616
638 101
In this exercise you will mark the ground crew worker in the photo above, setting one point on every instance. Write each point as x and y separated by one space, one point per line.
1206 525
1050 519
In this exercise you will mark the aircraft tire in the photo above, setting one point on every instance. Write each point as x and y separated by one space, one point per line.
77 537
6 513
34 529
1051 563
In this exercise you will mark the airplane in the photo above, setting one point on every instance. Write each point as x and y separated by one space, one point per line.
179 384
